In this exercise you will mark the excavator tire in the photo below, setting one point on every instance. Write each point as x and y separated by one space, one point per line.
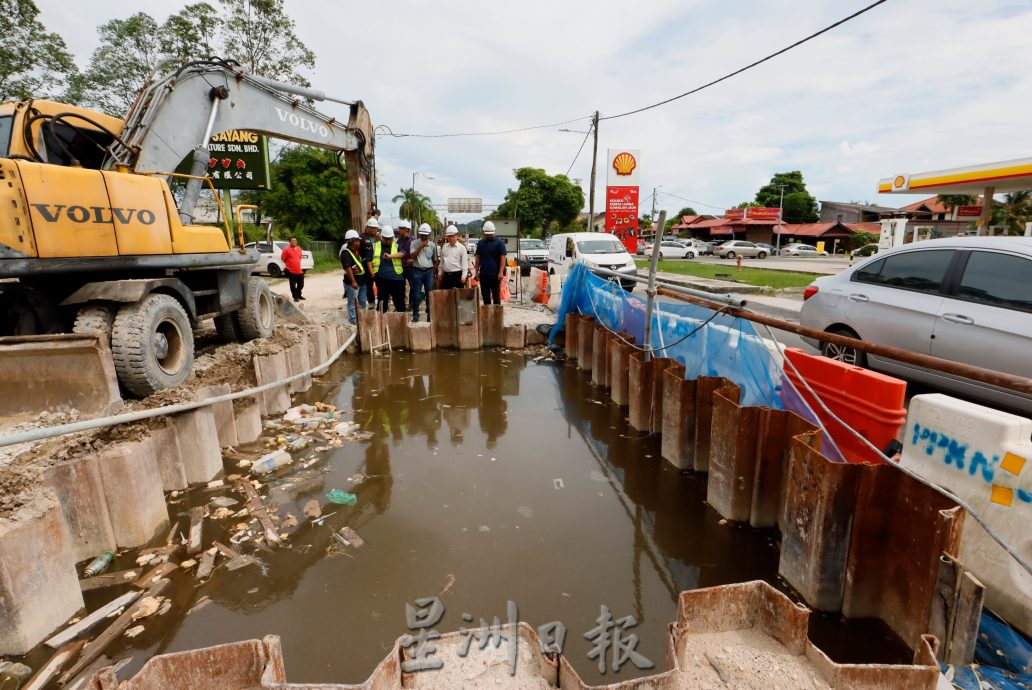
226 327
257 318
95 318
152 344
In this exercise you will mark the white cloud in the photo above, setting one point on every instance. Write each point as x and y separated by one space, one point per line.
910 86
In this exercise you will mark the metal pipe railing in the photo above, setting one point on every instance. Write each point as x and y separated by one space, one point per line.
1011 382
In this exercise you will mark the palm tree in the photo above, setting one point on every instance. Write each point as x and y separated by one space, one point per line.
414 206
952 201
1015 211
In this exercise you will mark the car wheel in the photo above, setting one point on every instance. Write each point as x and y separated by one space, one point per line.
730 255
152 344
274 271
840 353
761 255
689 255
661 256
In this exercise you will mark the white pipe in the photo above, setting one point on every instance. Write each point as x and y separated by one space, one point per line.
114 420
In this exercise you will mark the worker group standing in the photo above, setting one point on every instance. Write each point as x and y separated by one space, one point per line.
380 263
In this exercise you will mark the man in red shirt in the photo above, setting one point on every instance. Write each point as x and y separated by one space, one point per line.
291 258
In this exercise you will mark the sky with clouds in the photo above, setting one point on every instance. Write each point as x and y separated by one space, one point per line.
912 85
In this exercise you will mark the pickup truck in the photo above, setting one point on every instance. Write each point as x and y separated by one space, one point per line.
532 254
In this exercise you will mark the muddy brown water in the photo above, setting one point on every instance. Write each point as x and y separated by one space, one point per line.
510 479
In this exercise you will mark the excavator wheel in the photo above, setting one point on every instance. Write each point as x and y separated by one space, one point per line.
226 327
152 344
257 318
95 318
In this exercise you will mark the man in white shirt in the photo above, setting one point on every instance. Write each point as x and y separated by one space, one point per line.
454 260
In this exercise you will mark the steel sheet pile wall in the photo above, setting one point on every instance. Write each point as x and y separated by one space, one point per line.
862 539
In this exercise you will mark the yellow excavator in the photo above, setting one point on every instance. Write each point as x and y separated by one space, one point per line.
92 239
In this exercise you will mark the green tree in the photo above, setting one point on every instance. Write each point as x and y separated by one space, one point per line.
191 33
1014 212
749 204
414 206
33 62
308 193
799 205
542 201
260 36
129 51
952 201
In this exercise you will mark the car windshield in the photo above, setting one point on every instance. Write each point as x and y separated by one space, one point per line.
532 244
599 247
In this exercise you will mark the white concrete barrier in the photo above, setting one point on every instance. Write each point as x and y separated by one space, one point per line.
984 456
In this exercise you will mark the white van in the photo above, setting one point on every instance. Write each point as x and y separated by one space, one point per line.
594 250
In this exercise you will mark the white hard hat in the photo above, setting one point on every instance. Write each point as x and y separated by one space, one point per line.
387 232
372 223
405 224
352 235
489 228
452 230
425 229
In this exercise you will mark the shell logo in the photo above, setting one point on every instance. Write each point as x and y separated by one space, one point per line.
624 163
899 181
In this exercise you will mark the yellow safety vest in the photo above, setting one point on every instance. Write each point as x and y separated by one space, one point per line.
358 269
377 253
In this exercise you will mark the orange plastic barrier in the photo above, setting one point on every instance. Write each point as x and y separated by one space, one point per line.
541 291
869 402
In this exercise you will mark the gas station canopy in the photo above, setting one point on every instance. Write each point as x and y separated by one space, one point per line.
1002 177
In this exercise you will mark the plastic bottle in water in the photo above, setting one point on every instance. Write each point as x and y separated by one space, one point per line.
272 461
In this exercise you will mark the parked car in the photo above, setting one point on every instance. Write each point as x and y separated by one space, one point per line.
471 245
669 249
769 248
700 247
532 254
800 249
964 299
270 261
594 250
735 248
866 250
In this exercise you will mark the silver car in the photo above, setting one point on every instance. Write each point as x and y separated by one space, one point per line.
800 249
964 299
748 250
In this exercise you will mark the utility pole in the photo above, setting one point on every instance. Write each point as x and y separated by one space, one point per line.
594 165
781 211
652 216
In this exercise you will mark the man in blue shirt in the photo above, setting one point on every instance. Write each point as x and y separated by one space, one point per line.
490 265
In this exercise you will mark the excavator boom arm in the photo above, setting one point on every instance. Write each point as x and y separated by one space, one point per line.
177 115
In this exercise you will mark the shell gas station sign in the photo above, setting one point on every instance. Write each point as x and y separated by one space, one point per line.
622 196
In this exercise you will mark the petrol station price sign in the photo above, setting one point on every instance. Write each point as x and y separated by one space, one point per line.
238 160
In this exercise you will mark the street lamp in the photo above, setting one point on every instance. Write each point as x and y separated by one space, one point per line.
419 207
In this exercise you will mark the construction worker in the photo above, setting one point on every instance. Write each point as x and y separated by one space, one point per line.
389 271
354 274
454 260
371 229
490 266
291 258
424 259
403 241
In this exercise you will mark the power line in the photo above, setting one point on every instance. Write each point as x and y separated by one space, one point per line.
692 201
584 141
751 65
485 134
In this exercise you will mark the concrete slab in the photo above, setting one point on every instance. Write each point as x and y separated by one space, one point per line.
535 337
467 325
332 339
420 337
271 368
619 366
317 353
298 360
39 588
80 491
225 425
198 442
397 328
570 331
132 487
492 323
515 337
442 319
170 461
248 420
368 330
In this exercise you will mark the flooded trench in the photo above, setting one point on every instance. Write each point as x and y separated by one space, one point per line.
490 477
